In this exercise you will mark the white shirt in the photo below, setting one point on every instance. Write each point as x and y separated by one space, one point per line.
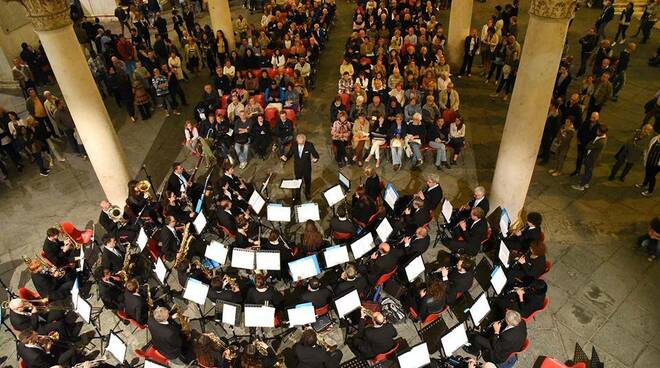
184 182
301 149
173 230
477 201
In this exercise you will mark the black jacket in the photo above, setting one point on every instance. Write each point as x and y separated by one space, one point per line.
484 204
54 253
227 220
313 357
432 198
302 165
111 261
458 283
174 183
384 264
507 342
166 338
135 307
417 246
377 340
428 305
345 226
359 283
318 298
35 357
22 322
168 243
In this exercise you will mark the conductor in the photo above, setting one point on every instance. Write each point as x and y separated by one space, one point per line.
304 153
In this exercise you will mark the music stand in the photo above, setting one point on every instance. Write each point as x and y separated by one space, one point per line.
362 246
293 184
150 364
482 273
258 316
344 181
390 196
307 211
217 252
334 195
142 239
116 347
498 279
242 258
414 268
347 303
268 260
504 255
84 310
384 230
455 339
301 314
335 255
304 268
431 334
418 356
479 310
256 202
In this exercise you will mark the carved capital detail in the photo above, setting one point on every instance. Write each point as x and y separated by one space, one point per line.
557 9
47 15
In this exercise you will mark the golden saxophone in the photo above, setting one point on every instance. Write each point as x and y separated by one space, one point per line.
183 321
185 245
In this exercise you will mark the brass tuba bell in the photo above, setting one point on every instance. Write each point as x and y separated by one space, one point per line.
144 187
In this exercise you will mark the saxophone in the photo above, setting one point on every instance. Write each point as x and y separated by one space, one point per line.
150 301
183 321
185 245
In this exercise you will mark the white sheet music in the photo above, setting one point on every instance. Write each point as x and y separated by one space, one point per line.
347 303
256 201
196 291
344 181
415 268
81 261
217 252
454 340
200 222
142 239
362 246
116 347
302 314
277 212
335 255
479 310
160 270
498 279
304 268
417 357
242 258
75 288
390 196
229 313
334 195
504 254
384 230
150 364
268 260
447 210
259 316
291 184
84 309
308 211
505 221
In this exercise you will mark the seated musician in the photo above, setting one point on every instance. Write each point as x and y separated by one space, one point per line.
167 336
211 354
530 265
372 184
311 240
138 205
173 207
39 351
430 299
170 239
351 279
111 291
415 217
479 199
310 355
382 262
135 304
111 257
470 233
229 176
505 337
224 289
362 206
226 217
417 244
59 253
432 195
316 294
520 239
375 339
192 269
25 316
115 228
47 284
340 223
243 237
458 279
262 293
526 300
225 192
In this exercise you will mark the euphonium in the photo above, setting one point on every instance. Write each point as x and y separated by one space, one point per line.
144 187
183 321
115 213
68 236
53 271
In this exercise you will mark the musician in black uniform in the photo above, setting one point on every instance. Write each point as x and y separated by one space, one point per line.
59 253
507 337
123 232
167 336
263 293
530 265
49 286
432 195
180 184
372 184
111 291
35 352
429 299
459 279
470 233
304 154
526 300
24 316
415 217
352 279
225 216
173 207
170 239
340 223
363 207
135 304
382 262
316 294
375 339
111 258
310 355
479 199
520 240
417 244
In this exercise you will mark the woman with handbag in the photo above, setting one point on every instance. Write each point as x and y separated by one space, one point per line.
397 132
561 145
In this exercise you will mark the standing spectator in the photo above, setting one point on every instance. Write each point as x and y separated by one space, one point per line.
651 165
631 152
174 62
456 138
604 18
192 136
562 144
242 128
125 93
35 106
65 120
621 66
396 135
586 133
360 138
552 126
588 43
50 103
624 23
8 146
162 88
141 99
594 150
175 86
261 135
649 17
602 93
23 75
122 17
471 48
341 134
284 131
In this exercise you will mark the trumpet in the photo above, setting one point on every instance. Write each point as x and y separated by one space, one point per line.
229 281
47 341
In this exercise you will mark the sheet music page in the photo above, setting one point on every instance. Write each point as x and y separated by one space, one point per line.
454 340
344 181
278 213
116 347
291 184
229 313
308 211
415 268
142 239
304 268
334 195
196 291
217 252
302 314
160 270
256 201
390 196
347 303
200 222
259 316
242 258
268 260
84 309
504 254
498 279
362 246
505 222
384 230
417 357
336 255
447 210
480 309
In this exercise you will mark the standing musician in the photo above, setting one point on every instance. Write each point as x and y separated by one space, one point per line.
382 262
316 294
135 304
372 184
167 337
375 339
311 355
111 258
42 351
59 253
181 183
25 316
170 239
47 284
458 279
429 299
415 217
526 300
111 291
351 279
530 265
506 337
116 227
417 244
304 154
520 239
432 195
470 233
479 199
173 207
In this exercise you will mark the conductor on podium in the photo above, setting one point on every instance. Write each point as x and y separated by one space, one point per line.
304 153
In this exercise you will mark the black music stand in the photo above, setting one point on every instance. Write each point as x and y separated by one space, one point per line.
482 273
461 307
432 333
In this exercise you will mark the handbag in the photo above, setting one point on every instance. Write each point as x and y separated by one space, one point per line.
396 143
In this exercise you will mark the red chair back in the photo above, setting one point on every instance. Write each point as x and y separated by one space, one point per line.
260 99
152 245
271 116
373 218
433 316
522 349
220 113
542 237
553 363
383 278
336 235
227 232
21 364
322 310
80 236
272 72
124 317
291 115
533 315
289 72
224 101
27 294
152 354
385 355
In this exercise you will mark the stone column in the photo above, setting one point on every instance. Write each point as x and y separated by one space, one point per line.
52 23
528 109
460 19
221 20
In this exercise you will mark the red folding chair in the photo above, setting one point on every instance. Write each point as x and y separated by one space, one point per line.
152 245
21 364
124 317
553 363
384 277
260 99
290 114
346 101
339 236
152 354
548 266
272 72
380 357
270 115
224 101
27 294
434 316
321 311
533 315
80 236
522 349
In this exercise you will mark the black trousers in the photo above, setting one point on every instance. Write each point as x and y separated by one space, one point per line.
649 177
617 166
581 151
467 64
307 183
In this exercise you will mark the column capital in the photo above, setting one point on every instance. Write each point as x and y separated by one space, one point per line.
47 15
557 9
